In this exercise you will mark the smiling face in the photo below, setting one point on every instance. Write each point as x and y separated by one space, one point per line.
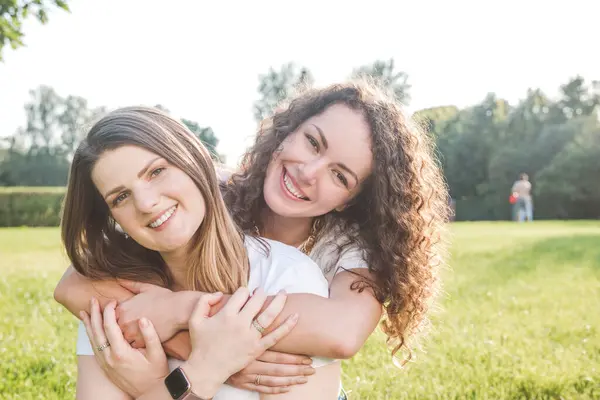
155 203
321 164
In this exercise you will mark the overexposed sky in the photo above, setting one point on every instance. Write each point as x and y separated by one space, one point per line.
202 59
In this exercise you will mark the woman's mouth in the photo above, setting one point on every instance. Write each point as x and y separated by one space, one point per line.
166 216
289 187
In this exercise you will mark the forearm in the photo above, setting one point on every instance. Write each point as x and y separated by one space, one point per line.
334 327
74 292
326 328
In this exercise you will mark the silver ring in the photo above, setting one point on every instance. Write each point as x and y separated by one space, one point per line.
102 347
257 380
258 326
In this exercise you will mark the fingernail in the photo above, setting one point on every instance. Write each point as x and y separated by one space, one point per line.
302 380
81 315
309 370
282 291
94 301
295 317
308 361
143 322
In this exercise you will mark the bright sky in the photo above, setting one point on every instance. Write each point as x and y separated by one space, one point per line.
202 59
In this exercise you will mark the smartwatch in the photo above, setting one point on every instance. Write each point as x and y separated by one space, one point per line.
179 385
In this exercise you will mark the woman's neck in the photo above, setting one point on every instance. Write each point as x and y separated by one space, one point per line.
177 263
291 231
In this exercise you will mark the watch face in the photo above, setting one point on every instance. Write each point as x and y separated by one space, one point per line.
177 383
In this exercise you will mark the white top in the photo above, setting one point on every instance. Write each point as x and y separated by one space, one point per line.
284 267
325 254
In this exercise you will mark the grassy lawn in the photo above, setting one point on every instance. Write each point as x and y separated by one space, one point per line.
519 319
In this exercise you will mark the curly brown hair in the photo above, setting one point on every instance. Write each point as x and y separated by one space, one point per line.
400 212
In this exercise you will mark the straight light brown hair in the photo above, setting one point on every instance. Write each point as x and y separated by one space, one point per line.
217 260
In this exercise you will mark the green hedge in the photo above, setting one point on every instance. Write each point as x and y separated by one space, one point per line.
30 206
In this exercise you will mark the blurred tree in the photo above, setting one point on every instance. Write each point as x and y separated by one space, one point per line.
75 119
568 186
484 148
38 154
14 12
435 119
276 86
206 136
383 72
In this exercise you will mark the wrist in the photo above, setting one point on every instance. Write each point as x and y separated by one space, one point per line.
205 383
186 302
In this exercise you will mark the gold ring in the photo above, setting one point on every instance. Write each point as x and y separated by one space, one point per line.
257 380
258 326
102 347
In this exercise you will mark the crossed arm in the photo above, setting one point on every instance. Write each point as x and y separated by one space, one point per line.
334 327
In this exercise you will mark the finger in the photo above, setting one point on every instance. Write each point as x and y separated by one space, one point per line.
279 381
265 389
237 301
138 342
276 357
266 318
269 340
203 306
97 327
281 370
154 350
133 286
254 305
113 333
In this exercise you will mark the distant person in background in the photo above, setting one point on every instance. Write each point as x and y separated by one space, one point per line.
521 192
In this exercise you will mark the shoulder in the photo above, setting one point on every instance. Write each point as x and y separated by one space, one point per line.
336 250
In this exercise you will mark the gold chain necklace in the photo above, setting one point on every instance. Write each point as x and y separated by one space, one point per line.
306 246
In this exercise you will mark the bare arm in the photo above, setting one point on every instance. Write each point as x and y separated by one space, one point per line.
92 382
74 292
324 384
336 327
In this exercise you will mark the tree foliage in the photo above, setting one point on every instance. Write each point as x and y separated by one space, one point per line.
14 12
276 85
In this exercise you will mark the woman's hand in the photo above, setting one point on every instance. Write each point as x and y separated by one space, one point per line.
158 304
239 341
133 371
276 370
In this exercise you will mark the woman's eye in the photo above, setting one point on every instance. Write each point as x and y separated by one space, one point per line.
156 172
119 198
341 178
313 142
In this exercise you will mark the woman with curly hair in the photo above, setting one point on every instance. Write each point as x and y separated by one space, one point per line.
342 175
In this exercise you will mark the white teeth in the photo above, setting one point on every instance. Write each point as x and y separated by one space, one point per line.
164 218
291 188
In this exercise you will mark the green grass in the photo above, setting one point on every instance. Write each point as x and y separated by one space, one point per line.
519 319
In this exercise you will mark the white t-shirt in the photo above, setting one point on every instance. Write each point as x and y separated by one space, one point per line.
325 254
284 267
